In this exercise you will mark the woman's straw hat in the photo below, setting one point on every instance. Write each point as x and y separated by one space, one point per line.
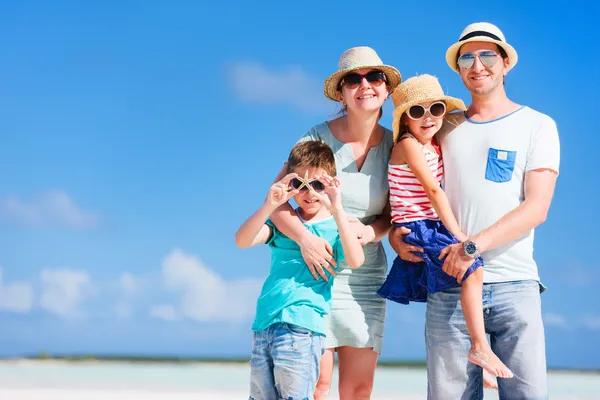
357 58
416 90
481 32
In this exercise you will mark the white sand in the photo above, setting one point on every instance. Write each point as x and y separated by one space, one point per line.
79 394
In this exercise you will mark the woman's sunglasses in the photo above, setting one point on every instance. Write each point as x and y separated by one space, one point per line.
437 110
488 58
302 184
353 79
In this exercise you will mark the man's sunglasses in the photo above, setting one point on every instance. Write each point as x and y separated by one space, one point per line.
302 184
353 79
488 58
437 110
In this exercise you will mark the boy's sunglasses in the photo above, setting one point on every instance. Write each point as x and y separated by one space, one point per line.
353 79
301 184
437 110
488 58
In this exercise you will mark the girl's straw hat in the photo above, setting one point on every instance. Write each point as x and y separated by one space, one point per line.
357 58
416 90
481 32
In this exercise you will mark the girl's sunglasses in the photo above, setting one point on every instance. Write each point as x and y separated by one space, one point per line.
488 58
353 79
301 184
437 110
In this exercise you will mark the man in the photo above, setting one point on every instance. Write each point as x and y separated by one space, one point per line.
501 162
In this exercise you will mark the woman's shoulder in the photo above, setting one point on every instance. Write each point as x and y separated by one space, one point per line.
320 132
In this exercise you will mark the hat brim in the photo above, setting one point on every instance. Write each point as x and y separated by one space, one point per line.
332 82
452 104
452 52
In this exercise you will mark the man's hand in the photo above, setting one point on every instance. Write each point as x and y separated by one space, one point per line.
403 249
456 262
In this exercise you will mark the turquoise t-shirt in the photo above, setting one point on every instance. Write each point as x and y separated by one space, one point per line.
290 293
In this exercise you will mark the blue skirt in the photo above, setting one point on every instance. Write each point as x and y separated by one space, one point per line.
409 281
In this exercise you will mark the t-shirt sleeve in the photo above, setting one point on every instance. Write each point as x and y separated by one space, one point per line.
544 147
274 232
338 251
312 134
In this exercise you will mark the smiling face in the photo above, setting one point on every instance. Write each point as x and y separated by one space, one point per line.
310 206
366 96
480 79
424 128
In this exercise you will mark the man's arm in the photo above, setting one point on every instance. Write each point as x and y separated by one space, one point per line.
539 189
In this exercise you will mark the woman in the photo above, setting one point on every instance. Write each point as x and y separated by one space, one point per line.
362 148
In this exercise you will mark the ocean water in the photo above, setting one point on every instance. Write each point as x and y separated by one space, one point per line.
230 380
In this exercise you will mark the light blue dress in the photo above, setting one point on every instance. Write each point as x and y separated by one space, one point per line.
357 311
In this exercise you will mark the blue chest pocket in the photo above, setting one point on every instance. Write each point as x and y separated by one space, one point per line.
500 165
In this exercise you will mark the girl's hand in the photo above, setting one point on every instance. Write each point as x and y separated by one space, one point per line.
364 233
331 197
279 193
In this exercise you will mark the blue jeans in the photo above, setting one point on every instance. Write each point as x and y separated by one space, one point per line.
285 363
513 317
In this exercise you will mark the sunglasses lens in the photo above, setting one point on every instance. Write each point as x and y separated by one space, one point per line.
295 183
466 61
376 77
416 112
317 185
437 109
352 80
488 58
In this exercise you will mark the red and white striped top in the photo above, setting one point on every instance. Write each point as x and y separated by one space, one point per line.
408 200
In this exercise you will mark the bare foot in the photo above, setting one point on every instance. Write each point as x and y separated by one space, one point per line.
486 359
488 381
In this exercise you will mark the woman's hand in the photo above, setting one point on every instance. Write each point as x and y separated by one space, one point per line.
404 250
318 256
364 233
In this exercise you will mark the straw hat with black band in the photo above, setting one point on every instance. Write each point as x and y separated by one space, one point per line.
416 90
481 32
357 58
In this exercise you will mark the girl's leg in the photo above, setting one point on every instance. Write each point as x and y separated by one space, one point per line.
357 372
324 382
480 353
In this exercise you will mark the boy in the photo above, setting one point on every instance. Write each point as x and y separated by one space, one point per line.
289 327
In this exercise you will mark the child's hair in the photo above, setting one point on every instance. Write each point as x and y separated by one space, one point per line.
312 153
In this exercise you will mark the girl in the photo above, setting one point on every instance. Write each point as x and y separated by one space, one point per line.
418 202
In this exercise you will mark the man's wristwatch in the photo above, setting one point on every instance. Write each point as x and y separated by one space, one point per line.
471 249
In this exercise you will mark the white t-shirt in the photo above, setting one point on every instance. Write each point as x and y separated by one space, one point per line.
485 165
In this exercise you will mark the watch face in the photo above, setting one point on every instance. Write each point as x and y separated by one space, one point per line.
470 248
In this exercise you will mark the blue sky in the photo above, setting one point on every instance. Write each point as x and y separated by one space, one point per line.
135 138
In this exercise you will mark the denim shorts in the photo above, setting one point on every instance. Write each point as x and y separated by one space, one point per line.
285 363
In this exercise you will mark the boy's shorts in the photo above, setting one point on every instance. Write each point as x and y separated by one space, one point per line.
285 363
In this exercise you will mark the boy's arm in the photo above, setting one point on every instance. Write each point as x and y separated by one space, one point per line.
254 231
413 155
353 251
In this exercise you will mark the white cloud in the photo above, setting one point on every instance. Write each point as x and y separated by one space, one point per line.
51 209
556 320
591 322
128 283
164 311
64 290
15 296
205 296
255 83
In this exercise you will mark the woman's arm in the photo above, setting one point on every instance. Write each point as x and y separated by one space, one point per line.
413 155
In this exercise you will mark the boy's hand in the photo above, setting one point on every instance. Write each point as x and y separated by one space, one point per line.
280 193
331 197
